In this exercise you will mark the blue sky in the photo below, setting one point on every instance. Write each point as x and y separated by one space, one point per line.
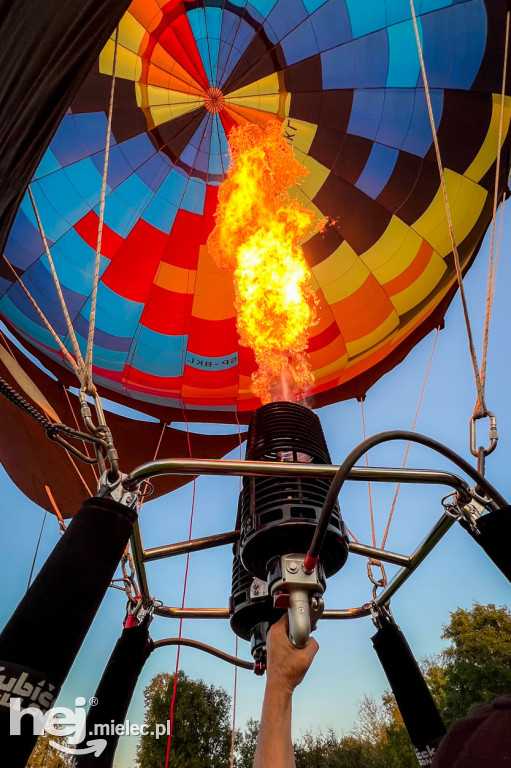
455 574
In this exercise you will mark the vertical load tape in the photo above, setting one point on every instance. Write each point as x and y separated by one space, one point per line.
43 636
418 710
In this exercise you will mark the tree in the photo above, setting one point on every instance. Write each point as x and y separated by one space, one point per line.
246 743
372 720
201 736
319 751
474 669
477 664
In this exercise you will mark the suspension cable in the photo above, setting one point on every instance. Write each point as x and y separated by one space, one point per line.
492 267
371 510
481 404
407 451
65 311
235 688
58 513
45 320
234 704
94 293
36 551
185 584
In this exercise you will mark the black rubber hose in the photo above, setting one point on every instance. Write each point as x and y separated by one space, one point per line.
384 437
207 649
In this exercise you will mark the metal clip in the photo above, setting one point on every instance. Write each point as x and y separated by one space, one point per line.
451 505
382 582
472 512
379 613
494 435
116 490
137 611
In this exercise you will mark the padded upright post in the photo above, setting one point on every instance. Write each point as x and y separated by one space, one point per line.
418 710
493 534
114 693
42 638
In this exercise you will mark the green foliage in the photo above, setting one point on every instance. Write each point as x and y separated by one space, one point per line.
477 664
474 669
245 744
320 751
201 735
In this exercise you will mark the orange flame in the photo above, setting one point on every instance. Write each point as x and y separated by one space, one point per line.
258 233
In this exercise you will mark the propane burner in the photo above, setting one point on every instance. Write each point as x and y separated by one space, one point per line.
278 517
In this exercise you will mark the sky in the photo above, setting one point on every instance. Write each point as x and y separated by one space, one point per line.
455 574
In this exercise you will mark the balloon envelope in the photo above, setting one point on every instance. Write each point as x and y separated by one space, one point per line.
344 78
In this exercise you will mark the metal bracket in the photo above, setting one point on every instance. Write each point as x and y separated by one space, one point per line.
258 588
472 511
300 592
115 489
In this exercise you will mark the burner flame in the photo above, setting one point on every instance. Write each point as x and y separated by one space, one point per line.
258 232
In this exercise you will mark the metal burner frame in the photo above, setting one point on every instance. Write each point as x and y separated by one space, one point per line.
222 467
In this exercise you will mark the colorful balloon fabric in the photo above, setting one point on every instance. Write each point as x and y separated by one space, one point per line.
344 78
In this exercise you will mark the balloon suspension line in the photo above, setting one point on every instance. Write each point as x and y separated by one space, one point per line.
185 584
36 551
235 688
481 404
134 603
371 561
101 435
69 325
58 514
374 563
94 294
364 435
45 320
492 266
407 451
234 704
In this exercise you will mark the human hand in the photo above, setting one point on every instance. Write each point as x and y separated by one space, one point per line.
287 665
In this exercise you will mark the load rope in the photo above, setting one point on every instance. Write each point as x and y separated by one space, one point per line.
94 294
183 599
481 404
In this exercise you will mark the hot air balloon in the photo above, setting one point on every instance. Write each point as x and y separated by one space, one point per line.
347 87
400 116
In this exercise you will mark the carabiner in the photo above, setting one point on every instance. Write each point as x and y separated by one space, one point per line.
494 435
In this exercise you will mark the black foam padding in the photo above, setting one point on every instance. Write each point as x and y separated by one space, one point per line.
42 638
418 710
115 691
494 536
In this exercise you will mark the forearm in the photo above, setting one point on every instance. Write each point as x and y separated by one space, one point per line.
274 746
